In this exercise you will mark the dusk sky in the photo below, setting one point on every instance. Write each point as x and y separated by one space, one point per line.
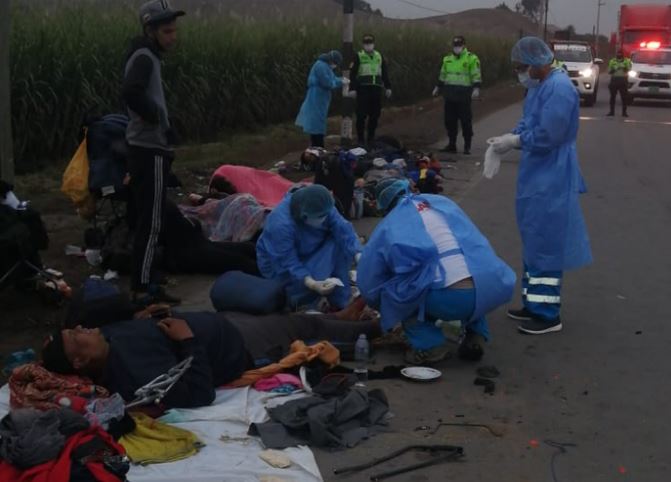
580 13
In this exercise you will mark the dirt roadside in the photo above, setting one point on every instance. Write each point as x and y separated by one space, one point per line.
25 319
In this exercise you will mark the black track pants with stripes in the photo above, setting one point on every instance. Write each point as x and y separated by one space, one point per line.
149 170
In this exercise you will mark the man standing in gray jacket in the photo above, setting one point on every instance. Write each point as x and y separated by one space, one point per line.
150 139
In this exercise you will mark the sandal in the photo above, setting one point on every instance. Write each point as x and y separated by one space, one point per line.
427 357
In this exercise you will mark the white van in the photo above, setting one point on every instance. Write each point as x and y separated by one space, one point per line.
650 74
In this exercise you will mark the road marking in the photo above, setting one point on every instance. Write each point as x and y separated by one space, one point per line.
627 121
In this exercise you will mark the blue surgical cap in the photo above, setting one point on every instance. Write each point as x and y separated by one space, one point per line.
335 57
532 51
311 202
388 191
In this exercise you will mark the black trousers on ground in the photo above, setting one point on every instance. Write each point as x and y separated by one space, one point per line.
619 85
148 169
455 113
368 107
316 140
203 256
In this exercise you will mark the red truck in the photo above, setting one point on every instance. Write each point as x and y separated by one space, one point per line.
641 24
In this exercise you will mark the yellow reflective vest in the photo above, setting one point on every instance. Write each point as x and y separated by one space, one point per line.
370 68
619 68
463 70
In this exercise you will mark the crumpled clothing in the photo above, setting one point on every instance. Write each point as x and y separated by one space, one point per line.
236 218
299 354
267 187
340 422
276 381
34 386
154 442
29 437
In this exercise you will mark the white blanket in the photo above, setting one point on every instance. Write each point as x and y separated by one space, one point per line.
230 460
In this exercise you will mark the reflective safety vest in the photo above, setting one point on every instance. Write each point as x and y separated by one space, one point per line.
619 68
463 70
558 64
370 68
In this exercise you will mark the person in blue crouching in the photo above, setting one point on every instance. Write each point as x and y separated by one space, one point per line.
427 261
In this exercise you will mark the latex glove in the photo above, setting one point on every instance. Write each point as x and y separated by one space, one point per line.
492 163
324 288
476 93
345 81
506 143
357 258
387 93
351 94
436 91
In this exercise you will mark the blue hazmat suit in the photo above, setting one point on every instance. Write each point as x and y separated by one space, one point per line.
400 265
549 183
322 80
289 250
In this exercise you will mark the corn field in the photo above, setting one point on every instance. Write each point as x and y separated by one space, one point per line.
227 75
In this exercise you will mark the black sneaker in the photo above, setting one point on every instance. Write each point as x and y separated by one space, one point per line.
471 347
610 114
540 327
520 315
452 148
467 151
624 114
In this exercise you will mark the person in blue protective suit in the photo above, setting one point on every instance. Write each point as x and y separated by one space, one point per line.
426 261
307 244
322 80
551 224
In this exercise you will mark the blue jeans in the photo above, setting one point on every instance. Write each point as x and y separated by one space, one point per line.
541 293
444 304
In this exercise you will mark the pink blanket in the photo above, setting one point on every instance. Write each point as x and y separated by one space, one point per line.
267 187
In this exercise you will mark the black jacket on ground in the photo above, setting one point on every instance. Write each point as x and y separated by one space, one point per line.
140 352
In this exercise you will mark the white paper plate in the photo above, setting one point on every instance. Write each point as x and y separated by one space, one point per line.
421 374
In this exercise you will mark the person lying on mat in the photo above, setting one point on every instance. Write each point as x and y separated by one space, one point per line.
125 355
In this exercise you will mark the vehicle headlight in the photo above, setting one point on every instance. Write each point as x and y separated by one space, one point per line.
633 74
587 72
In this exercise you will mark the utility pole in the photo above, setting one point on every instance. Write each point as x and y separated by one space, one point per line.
541 15
348 58
545 21
6 148
599 4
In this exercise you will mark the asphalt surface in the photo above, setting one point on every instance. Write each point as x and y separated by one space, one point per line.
602 384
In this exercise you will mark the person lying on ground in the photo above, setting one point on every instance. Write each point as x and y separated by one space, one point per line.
427 261
308 245
125 355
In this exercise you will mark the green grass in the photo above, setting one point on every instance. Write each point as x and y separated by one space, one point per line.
226 76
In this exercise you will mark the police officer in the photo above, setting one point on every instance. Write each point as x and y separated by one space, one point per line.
369 80
460 80
619 68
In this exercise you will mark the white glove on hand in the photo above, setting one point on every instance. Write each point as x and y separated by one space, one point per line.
357 258
475 94
436 91
505 143
387 93
324 288
351 94
345 81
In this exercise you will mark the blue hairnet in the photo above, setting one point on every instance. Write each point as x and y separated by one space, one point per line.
387 191
531 51
310 202
335 57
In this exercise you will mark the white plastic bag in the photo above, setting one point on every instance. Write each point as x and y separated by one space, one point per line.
492 161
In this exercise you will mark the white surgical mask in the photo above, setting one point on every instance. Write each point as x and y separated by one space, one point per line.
369 47
334 66
316 222
526 80
458 50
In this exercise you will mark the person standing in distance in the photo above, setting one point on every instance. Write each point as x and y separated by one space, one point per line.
619 68
150 139
459 81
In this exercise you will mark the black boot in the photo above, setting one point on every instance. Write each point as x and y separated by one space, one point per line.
451 146
624 113
467 146
610 114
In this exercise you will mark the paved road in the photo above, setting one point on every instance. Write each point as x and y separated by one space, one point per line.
602 383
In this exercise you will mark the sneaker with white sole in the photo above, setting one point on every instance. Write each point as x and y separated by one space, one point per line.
540 327
520 315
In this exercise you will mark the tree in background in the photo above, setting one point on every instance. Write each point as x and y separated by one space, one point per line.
530 8
363 6
503 6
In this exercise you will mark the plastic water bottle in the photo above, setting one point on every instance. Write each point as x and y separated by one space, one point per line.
361 356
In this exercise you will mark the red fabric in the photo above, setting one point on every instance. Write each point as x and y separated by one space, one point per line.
267 187
59 470
34 386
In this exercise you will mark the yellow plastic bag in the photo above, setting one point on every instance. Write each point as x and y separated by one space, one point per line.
76 176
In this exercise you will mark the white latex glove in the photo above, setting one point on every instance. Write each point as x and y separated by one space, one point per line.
505 143
346 81
436 91
476 93
387 93
323 288
357 258
492 163
351 94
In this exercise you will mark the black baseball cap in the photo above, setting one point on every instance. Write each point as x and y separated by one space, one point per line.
158 11
368 38
458 41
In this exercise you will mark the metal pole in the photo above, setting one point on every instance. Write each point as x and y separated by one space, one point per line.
599 4
545 27
348 58
6 147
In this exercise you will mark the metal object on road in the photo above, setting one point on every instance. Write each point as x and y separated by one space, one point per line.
495 431
155 390
440 454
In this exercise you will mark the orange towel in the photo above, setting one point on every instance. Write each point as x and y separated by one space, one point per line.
299 354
